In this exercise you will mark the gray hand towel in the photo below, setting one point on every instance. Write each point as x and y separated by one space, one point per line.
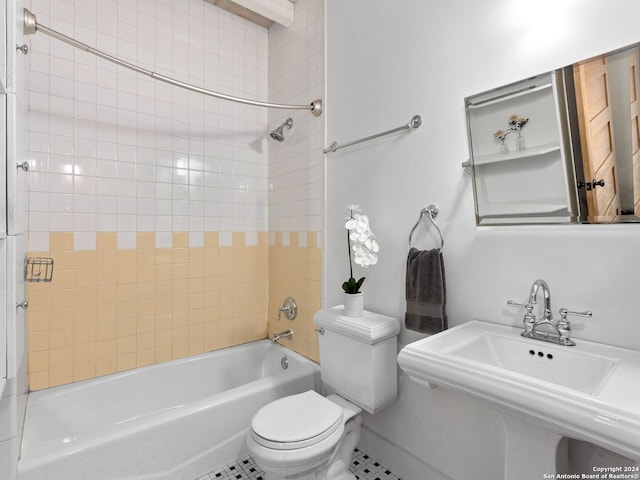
425 291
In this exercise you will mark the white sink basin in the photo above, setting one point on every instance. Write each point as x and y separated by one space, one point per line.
556 364
590 391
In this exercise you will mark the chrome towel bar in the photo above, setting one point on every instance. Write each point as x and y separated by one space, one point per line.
415 122
431 212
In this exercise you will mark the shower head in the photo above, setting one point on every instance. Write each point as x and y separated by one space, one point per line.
278 134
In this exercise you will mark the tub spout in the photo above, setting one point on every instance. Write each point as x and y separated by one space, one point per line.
285 334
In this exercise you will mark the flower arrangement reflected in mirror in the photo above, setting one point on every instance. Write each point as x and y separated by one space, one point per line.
516 124
501 137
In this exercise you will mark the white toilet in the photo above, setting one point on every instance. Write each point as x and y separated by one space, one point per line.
311 437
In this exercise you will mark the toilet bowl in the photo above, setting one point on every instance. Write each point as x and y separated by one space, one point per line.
310 437
305 436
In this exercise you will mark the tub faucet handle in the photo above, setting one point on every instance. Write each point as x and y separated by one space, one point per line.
289 308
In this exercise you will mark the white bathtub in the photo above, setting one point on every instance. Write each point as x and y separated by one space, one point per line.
171 421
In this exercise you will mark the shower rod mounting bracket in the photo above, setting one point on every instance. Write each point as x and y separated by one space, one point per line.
30 25
316 107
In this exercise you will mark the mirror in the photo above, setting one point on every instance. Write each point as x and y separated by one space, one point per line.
560 147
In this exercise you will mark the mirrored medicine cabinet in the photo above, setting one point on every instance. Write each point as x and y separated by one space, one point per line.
560 147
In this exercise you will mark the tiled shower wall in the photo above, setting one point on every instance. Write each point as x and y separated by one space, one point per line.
296 175
113 309
151 200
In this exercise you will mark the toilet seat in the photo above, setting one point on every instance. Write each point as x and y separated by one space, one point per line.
296 421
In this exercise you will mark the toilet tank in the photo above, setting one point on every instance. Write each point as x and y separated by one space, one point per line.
358 356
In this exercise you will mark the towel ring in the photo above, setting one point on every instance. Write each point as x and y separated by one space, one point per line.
432 212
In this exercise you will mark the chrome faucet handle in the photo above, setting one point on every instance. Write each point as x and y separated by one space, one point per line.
564 327
527 306
511 303
564 312
529 319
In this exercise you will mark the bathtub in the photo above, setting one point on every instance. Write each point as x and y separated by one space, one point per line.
172 421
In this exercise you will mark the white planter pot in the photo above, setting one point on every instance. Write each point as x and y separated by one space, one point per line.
353 304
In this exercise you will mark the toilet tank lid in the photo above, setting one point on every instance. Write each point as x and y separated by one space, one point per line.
369 328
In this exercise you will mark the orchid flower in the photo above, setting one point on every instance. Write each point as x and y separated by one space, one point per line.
365 247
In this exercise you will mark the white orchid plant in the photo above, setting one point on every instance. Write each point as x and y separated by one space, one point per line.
365 247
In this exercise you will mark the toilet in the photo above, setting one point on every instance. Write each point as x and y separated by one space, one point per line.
311 437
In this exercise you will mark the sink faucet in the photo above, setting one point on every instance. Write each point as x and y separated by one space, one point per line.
557 331
533 294
285 334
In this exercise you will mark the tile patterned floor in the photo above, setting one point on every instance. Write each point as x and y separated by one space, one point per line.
366 468
362 466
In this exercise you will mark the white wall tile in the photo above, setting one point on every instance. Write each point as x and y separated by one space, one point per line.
180 223
84 240
126 240
38 241
126 206
225 239
61 222
61 202
84 166
164 223
251 238
38 222
61 183
145 223
83 185
164 239
127 223
286 239
84 222
196 239
106 222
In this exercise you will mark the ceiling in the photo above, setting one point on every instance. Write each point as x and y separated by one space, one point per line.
262 12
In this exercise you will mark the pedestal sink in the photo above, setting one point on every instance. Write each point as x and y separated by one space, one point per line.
590 391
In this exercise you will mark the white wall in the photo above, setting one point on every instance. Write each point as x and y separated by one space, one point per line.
387 61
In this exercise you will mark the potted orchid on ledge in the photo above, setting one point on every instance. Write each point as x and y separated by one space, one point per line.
362 242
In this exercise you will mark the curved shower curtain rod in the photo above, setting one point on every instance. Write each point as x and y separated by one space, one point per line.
31 26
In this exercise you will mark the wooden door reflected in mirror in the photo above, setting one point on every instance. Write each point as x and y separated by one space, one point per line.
597 143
